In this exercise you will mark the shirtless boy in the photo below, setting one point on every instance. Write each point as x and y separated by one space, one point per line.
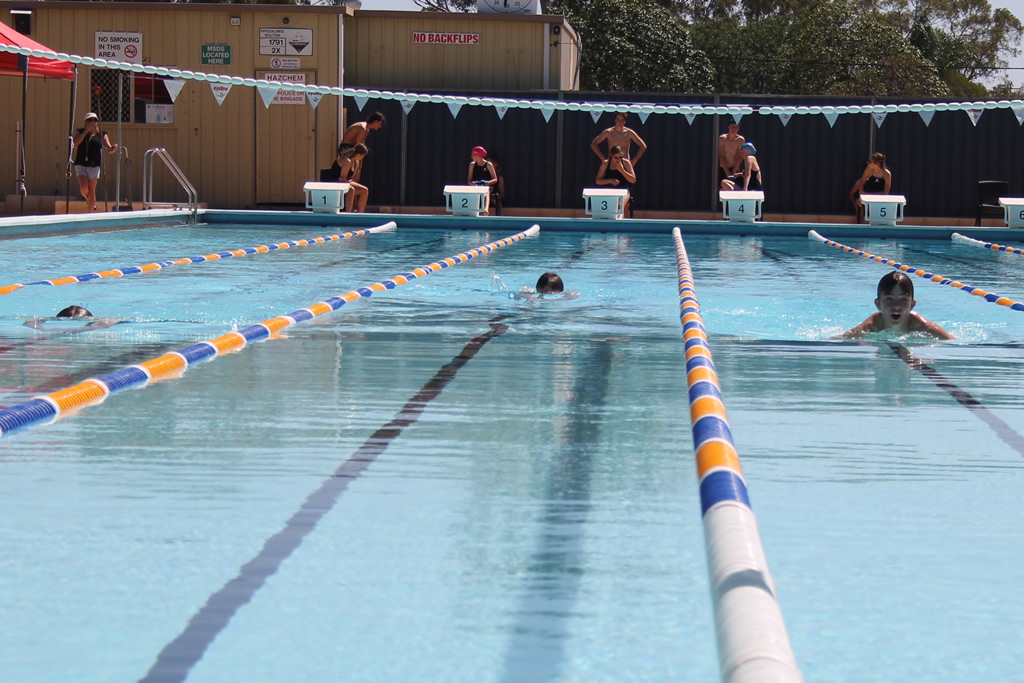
895 305
619 135
356 134
729 152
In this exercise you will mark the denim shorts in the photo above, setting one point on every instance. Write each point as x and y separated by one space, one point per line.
89 171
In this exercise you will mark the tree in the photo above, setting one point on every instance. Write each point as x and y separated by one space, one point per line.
635 46
446 5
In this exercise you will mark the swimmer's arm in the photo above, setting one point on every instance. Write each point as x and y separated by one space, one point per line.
922 324
866 327
641 146
35 323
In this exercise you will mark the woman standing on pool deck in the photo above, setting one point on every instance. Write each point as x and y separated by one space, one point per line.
876 179
90 142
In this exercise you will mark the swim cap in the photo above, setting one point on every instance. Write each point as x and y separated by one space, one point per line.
479 151
749 148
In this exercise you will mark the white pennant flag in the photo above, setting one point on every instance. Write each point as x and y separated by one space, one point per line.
407 106
595 114
1019 113
220 91
643 116
784 117
361 100
314 99
926 116
454 108
174 86
690 116
547 111
831 118
267 93
736 116
975 114
501 109
878 116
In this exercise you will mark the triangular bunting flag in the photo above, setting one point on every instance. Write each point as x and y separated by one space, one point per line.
314 99
454 108
878 116
173 86
501 109
831 118
690 116
926 115
547 111
643 116
361 100
595 114
407 106
736 116
267 93
1019 113
220 91
975 114
784 117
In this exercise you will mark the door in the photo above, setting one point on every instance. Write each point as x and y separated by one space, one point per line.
285 141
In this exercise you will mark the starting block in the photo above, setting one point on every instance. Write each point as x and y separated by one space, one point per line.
603 202
883 209
325 197
466 200
1013 211
741 205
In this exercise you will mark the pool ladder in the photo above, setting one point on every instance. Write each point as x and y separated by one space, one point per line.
147 184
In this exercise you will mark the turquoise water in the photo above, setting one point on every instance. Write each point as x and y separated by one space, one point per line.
532 517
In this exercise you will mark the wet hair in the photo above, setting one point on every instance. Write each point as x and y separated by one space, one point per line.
74 312
549 283
895 280
374 117
354 150
879 159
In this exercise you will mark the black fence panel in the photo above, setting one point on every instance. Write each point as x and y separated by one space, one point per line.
808 165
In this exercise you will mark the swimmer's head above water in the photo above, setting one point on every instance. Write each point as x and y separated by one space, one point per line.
550 283
74 312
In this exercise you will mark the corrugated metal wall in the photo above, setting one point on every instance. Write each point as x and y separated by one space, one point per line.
808 166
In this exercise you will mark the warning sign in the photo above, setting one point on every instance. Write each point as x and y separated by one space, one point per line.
288 96
286 41
119 46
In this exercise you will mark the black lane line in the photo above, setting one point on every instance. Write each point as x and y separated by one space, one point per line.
539 634
1005 432
176 660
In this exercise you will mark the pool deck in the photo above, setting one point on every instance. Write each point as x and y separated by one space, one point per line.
15 227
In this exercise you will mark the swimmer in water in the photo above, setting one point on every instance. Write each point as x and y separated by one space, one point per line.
548 283
895 305
72 313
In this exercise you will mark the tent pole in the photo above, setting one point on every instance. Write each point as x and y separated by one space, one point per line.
23 61
71 143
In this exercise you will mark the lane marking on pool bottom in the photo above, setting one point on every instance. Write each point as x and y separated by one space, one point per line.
970 241
177 658
751 633
1005 432
987 296
230 253
171 365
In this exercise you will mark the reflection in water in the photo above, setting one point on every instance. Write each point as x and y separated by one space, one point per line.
538 637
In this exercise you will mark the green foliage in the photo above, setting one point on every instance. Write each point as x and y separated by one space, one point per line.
635 46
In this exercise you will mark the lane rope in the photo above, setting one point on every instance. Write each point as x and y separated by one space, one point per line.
964 239
752 641
939 279
231 253
93 391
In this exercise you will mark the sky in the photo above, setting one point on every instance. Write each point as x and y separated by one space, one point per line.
1015 6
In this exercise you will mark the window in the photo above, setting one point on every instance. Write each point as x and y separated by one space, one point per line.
144 99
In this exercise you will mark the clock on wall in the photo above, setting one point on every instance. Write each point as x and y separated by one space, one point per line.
508 6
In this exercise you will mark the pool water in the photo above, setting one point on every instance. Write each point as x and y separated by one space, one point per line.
445 482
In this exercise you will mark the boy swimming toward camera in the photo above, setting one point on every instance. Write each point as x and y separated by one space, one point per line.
895 305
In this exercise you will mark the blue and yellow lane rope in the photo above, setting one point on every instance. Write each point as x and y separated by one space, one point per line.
230 253
173 364
964 239
752 639
938 279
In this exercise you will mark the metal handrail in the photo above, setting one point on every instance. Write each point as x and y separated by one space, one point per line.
147 184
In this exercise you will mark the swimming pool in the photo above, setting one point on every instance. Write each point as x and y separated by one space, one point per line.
445 482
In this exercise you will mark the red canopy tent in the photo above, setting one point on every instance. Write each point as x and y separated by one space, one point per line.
12 64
